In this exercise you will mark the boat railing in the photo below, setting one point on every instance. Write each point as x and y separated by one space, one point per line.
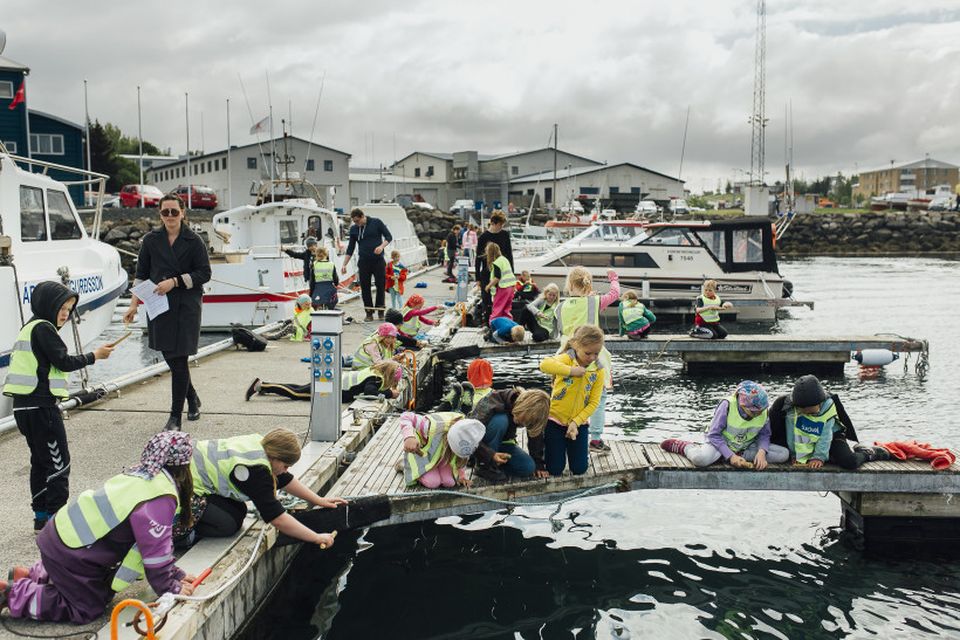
88 178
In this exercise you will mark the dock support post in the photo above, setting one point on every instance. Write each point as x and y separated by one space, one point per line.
325 341
923 521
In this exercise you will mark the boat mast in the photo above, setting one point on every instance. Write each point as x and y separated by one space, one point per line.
758 119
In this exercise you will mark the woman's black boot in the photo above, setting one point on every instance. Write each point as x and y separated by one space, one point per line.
193 406
173 423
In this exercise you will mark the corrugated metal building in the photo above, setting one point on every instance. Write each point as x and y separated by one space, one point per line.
613 183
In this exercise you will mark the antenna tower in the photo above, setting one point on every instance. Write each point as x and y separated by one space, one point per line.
758 119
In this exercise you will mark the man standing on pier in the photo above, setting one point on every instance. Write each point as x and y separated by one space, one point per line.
369 236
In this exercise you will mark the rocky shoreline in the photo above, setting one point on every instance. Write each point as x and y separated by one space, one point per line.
891 233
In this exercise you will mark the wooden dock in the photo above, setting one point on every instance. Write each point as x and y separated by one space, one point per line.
630 466
766 351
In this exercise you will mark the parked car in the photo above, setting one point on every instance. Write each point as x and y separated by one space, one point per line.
679 205
132 194
647 208
111 200
466 205
200 197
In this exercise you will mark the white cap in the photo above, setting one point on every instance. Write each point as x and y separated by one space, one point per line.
464 437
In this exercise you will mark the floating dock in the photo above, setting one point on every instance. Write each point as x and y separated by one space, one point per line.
820 353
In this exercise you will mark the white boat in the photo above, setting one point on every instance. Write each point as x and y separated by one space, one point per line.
253 282
666 263
43 238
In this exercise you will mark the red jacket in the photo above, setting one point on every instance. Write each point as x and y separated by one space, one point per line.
939 458
390 281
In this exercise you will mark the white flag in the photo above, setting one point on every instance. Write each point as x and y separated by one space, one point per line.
261 127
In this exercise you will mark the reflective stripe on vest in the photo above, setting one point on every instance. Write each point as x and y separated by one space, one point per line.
631 314
214 460
545 316
807 431
740 432
362 359
576 312
351 378
412 326
22 378
301 321
94 514
323 271
507 279
432 449
710 315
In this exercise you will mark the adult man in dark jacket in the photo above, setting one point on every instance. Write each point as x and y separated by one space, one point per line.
307 256
369 236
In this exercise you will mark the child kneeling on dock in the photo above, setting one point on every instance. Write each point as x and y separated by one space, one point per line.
436 448
739 433
815 427
578 379
504 411
708 307
504 330
635 318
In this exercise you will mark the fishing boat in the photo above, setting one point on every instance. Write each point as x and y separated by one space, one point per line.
667 262
254 282
43 238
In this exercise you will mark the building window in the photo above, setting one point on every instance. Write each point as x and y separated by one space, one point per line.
635 190
310 164
33 225
251 163
530 192
514 171
11 146
203 169
209 166
216 164
416 172
224 159
590 191
6 89
328 165
63 224
614 190
48 144
548 194
429 171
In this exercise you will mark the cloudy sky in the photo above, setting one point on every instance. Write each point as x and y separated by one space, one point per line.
870 81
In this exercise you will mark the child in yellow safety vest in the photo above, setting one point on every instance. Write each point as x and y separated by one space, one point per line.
708 307
325 280
380 379
436 448
415 317
739 433
635 318
37 382
301 318
582 307
502 281
578 377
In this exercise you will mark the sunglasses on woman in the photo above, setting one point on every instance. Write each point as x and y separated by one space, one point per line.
169 213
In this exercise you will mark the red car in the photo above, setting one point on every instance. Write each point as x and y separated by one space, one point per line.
131 195
200 197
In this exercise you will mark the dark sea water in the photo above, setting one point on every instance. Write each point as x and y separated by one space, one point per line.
672 564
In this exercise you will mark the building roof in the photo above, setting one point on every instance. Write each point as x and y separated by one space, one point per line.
388 178
43 114
486 157
265 143
12 65
547 176
926 163
514 154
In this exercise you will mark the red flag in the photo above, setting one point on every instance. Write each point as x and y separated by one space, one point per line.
18 97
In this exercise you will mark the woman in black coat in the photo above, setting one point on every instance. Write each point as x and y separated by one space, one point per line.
175 259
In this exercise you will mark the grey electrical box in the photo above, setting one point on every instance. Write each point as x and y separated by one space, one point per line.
326 334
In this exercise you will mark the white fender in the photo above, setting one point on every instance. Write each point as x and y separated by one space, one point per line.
875 357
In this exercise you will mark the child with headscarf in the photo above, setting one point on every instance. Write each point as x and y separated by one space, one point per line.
739 433
85 557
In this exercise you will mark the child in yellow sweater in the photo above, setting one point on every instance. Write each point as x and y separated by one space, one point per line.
577 385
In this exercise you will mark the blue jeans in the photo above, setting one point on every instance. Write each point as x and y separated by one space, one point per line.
599 417
558 449
396 300
520 463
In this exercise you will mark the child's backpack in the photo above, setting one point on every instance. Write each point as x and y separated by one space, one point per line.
243 337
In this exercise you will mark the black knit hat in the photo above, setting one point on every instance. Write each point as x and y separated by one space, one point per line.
808 392
394 317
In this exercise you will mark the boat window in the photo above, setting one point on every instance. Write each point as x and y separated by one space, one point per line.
714 241
747 245
314 226
289 232
582 259
63 224
670 236
635 260
33 224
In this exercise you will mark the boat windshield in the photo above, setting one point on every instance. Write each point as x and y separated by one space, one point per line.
612 233
671 236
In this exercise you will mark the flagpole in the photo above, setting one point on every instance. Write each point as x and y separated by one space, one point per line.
229 161
203 146
273 142
140 138
86 127
189 181
26 115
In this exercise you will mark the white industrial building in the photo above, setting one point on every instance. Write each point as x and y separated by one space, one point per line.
248 165
368 185
607 182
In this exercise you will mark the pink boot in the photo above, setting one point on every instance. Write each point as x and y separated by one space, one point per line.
675 445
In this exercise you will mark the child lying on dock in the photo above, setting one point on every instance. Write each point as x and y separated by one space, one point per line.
436 447
739 433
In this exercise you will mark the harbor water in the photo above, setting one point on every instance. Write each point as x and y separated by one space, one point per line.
672 564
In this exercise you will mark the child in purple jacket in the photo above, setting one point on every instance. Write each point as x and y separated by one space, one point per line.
77 574
739 433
